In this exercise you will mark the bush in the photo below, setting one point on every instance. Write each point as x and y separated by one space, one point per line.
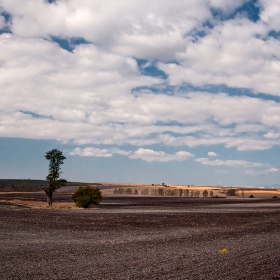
86 196
231 192
251 196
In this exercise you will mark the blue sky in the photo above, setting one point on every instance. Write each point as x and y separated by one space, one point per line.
184 92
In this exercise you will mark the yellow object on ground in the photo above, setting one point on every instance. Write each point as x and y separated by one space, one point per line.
223 250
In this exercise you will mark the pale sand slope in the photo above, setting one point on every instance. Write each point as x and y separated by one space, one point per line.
108 189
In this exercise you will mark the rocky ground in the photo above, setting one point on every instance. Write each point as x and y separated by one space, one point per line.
141 238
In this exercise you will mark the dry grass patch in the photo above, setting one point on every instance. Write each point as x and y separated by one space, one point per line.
41 204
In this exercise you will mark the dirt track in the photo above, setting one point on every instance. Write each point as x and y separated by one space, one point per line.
117 242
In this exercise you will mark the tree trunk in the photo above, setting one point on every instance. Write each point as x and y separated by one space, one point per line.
49 199
49 192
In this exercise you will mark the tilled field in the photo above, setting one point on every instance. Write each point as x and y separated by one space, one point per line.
141 238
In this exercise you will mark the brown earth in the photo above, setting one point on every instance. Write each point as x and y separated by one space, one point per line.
139 237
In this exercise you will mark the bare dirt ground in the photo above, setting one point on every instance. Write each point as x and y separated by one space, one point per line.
139 237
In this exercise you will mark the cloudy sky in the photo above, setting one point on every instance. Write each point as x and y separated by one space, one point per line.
181 92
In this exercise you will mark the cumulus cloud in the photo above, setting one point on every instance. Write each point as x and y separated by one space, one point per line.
227 6
97 94
160 156
270 13
223 62
140 28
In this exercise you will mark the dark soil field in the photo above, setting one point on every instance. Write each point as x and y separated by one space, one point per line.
140 238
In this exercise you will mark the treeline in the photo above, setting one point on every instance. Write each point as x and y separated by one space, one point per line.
163 192
178 192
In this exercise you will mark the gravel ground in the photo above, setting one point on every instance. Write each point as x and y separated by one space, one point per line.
141 238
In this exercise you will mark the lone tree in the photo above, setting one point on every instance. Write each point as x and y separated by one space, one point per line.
85 196
55 158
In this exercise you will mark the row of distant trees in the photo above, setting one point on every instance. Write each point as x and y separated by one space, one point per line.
164 192
175 192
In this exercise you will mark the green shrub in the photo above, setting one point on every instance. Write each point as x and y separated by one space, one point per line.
86 196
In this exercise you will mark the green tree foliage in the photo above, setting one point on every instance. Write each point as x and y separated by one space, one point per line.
86 196
211 193
55 158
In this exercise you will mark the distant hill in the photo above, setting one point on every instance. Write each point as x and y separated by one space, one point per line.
24 185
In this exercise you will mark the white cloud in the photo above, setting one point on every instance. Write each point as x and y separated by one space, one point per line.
230 163
272 135
270 13
96 152
218 58
227 6
144 154
90 152
259 172
272 169
212 154
140 28
95 94
120 152
151 155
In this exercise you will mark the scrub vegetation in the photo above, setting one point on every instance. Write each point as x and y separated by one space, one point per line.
86 196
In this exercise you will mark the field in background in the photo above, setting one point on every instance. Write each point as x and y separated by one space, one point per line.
17 185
